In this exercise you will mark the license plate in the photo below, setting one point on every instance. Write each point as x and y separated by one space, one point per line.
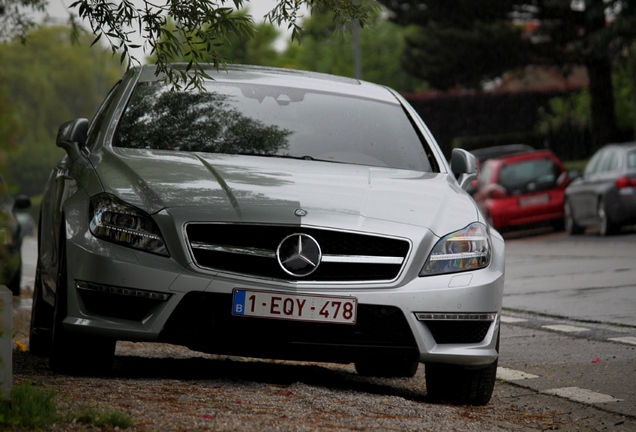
299 307
534 200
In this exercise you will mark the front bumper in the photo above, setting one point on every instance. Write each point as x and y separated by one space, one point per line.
507 212
124 294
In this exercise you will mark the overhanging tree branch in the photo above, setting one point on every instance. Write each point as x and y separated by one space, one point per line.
200 27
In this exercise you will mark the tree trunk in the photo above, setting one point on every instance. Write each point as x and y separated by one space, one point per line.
599 70
603 115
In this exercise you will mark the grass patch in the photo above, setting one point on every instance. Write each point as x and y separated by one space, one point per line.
93 417
29 407
33 407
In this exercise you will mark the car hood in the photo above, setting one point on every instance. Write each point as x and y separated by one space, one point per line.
260 189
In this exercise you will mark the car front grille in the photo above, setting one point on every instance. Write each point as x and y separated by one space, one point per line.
251 250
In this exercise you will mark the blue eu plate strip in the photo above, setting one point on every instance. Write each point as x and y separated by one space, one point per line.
238 307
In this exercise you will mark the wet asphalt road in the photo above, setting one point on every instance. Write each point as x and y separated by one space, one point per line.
570 318
585 277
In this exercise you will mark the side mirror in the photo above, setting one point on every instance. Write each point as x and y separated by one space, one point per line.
71 136
21 202
464 166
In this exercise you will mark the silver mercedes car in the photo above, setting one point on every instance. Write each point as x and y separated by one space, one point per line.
271 213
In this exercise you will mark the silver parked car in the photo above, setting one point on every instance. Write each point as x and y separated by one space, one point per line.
605 195
277 214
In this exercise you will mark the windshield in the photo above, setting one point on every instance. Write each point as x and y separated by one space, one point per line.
272 121
529 176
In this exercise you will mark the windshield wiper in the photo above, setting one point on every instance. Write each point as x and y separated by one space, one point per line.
306 157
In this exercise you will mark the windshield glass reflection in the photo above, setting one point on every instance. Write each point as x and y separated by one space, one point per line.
254 119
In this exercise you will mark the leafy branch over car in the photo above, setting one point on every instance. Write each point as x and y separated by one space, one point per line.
199 27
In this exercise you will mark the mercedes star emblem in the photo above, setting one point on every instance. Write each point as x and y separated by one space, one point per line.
299 255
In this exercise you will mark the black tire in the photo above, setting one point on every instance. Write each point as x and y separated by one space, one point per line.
387 368
461 385
571 227
605 226
41 322
73 353
14 283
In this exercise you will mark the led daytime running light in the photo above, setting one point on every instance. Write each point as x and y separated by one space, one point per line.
127 231
122 291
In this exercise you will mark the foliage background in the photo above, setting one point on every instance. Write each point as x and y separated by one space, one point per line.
45 83
50 79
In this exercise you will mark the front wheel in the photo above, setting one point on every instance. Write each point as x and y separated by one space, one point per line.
461 385
458 385
41 321
73 353
605 226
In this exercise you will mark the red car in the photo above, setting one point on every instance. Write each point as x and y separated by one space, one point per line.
522 189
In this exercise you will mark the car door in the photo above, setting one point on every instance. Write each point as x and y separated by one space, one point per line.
582 194
600 182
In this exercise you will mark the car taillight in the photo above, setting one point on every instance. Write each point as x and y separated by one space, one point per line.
625 182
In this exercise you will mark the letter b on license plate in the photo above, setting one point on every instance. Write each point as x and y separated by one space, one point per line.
300 307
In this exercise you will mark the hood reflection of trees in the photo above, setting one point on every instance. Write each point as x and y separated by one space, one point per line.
195 121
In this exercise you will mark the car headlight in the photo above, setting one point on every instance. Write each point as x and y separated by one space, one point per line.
113 220
463 250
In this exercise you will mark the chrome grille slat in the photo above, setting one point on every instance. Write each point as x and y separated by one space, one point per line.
234 249
362 259
251 250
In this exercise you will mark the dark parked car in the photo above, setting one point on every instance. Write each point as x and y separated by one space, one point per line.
277 214
605 195
522 189
11 238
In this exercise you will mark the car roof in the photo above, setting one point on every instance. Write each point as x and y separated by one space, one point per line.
624 146
288 78
520 157
486 153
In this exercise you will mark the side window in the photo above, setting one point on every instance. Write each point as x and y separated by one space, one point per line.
96 124
604 163
595 163
613 162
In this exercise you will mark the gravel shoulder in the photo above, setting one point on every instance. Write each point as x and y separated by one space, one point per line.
170 388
